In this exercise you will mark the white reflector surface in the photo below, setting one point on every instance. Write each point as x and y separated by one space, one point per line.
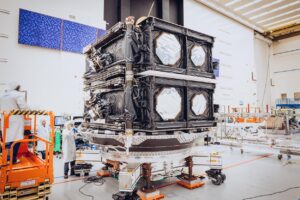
168 103
199 104
198 55
168 49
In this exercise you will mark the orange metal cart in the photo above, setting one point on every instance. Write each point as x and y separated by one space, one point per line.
32 177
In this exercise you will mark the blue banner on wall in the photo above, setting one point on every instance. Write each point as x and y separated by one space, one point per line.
50 32
77 36
39 30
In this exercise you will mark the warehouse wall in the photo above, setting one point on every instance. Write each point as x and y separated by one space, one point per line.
285 68
52 78
262 62
234 46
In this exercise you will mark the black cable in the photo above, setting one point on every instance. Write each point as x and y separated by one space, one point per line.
94 179
97 180
87 195
271 194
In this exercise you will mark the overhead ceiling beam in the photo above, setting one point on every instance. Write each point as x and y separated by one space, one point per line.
283 29
293 34
224 11
280 22
290 23
264 38
284 32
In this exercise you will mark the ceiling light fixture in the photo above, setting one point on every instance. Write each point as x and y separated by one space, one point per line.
247 4
232 2
262 7
277 16
274 10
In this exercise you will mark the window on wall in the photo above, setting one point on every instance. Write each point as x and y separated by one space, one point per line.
283 96
297 95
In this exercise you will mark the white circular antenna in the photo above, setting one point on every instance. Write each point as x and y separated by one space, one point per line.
168 103
168 49
199 104
198 55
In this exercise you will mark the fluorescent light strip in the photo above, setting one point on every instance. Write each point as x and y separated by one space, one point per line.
231 2
246 5
285 13
274 10
262 7
284 24
283 20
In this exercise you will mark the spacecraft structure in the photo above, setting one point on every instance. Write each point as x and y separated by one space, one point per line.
148 96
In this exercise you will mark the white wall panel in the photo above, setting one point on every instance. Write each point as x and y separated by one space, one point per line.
262 61
285 68
234 46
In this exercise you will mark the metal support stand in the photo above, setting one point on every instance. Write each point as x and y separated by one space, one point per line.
104 172
111 168
189 181
146 167
148 192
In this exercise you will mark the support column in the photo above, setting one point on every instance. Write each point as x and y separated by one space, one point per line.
189 181
148 192
147 173
124 9
129 57
165 10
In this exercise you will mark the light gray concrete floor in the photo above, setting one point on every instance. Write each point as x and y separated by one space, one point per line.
249 174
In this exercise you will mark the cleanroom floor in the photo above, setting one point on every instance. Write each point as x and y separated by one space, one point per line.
248 175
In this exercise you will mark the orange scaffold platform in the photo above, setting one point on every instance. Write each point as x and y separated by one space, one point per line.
31 178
